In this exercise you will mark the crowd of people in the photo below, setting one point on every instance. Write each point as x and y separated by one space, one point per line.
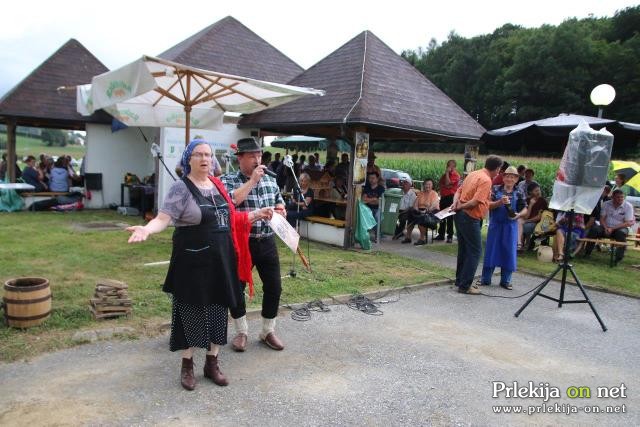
45 173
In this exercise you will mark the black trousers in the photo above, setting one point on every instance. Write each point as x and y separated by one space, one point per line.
620 235
447 223
264 254
403 217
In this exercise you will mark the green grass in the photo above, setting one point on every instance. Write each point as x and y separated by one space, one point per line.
27 145
623 278
46 244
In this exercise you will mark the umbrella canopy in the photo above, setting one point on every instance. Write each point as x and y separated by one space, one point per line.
307 143
630 171
552 132
160 93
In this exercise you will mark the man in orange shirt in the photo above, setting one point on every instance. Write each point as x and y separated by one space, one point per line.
471 204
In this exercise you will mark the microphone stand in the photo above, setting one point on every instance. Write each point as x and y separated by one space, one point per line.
289 164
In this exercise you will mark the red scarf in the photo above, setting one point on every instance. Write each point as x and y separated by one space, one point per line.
240 227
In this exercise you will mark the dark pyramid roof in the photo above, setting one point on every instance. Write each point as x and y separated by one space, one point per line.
227 46
35 100
395 96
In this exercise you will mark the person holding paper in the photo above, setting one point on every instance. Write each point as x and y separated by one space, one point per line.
471 203
250 188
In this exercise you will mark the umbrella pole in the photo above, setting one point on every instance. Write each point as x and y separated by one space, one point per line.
187 110
187 139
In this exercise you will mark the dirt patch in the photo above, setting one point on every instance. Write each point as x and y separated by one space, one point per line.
99 226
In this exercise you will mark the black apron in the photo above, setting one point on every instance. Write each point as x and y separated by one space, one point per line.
203 268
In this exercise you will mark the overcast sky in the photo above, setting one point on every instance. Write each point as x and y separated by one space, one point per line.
118 32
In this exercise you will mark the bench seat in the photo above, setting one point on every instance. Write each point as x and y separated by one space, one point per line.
611 243
324 220
45 194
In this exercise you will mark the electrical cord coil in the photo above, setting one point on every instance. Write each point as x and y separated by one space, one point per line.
303 313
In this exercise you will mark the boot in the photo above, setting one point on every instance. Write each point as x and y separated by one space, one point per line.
212 371
187 378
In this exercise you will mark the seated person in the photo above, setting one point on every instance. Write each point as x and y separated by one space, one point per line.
313 165
342 168
33 176
562 222
330 167
60 179
594 217
301 205
536 204
615 219
427 203
406 204
339 192
372 192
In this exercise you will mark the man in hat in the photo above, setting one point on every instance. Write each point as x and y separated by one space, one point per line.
250 188
406 203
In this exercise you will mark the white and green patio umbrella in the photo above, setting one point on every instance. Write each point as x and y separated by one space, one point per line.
159 93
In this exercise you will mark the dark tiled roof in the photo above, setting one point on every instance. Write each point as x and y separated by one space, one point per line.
227 46
394 95
35 100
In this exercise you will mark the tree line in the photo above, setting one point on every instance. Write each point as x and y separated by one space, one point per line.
517 74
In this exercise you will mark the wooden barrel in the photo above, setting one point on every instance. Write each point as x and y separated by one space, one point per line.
27 301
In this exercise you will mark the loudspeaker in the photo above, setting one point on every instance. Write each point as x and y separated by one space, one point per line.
586 162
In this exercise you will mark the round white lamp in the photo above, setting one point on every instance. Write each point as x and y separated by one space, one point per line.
601 96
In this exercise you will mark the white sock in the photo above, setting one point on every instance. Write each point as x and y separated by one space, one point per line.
214 350
268 326
241 325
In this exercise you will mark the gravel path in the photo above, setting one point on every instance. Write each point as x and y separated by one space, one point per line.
430 359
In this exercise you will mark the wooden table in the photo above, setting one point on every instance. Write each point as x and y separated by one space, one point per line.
339 202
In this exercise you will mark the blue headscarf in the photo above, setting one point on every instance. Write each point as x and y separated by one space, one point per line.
186 155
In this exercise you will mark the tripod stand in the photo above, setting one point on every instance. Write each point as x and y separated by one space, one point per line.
564 267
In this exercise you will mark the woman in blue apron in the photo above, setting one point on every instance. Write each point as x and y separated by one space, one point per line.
203 276
502 237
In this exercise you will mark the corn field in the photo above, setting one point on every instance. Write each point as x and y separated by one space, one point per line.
424 165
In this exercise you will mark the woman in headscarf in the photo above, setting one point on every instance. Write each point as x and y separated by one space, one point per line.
209 259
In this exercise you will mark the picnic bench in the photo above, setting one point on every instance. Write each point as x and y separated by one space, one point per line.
323 229
613 244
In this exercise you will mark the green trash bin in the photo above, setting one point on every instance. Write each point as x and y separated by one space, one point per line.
390 210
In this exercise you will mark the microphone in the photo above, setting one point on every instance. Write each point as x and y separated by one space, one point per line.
288 161
155 150
270 173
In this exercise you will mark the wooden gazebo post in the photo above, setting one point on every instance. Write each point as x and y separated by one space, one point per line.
354 192
11 151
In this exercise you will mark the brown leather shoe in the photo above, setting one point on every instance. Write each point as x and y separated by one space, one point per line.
273 341
239 342
187 379
212 371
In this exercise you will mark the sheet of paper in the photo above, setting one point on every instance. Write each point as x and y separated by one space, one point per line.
285 231
444 213
393 207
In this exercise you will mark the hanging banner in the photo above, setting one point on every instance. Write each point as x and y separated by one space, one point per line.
360 159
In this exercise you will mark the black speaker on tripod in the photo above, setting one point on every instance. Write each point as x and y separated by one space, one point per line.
580 179
587 158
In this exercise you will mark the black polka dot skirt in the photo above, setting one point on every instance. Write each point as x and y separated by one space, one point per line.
197 326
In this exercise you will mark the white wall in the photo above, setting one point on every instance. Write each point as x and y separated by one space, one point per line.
115 154
172 143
